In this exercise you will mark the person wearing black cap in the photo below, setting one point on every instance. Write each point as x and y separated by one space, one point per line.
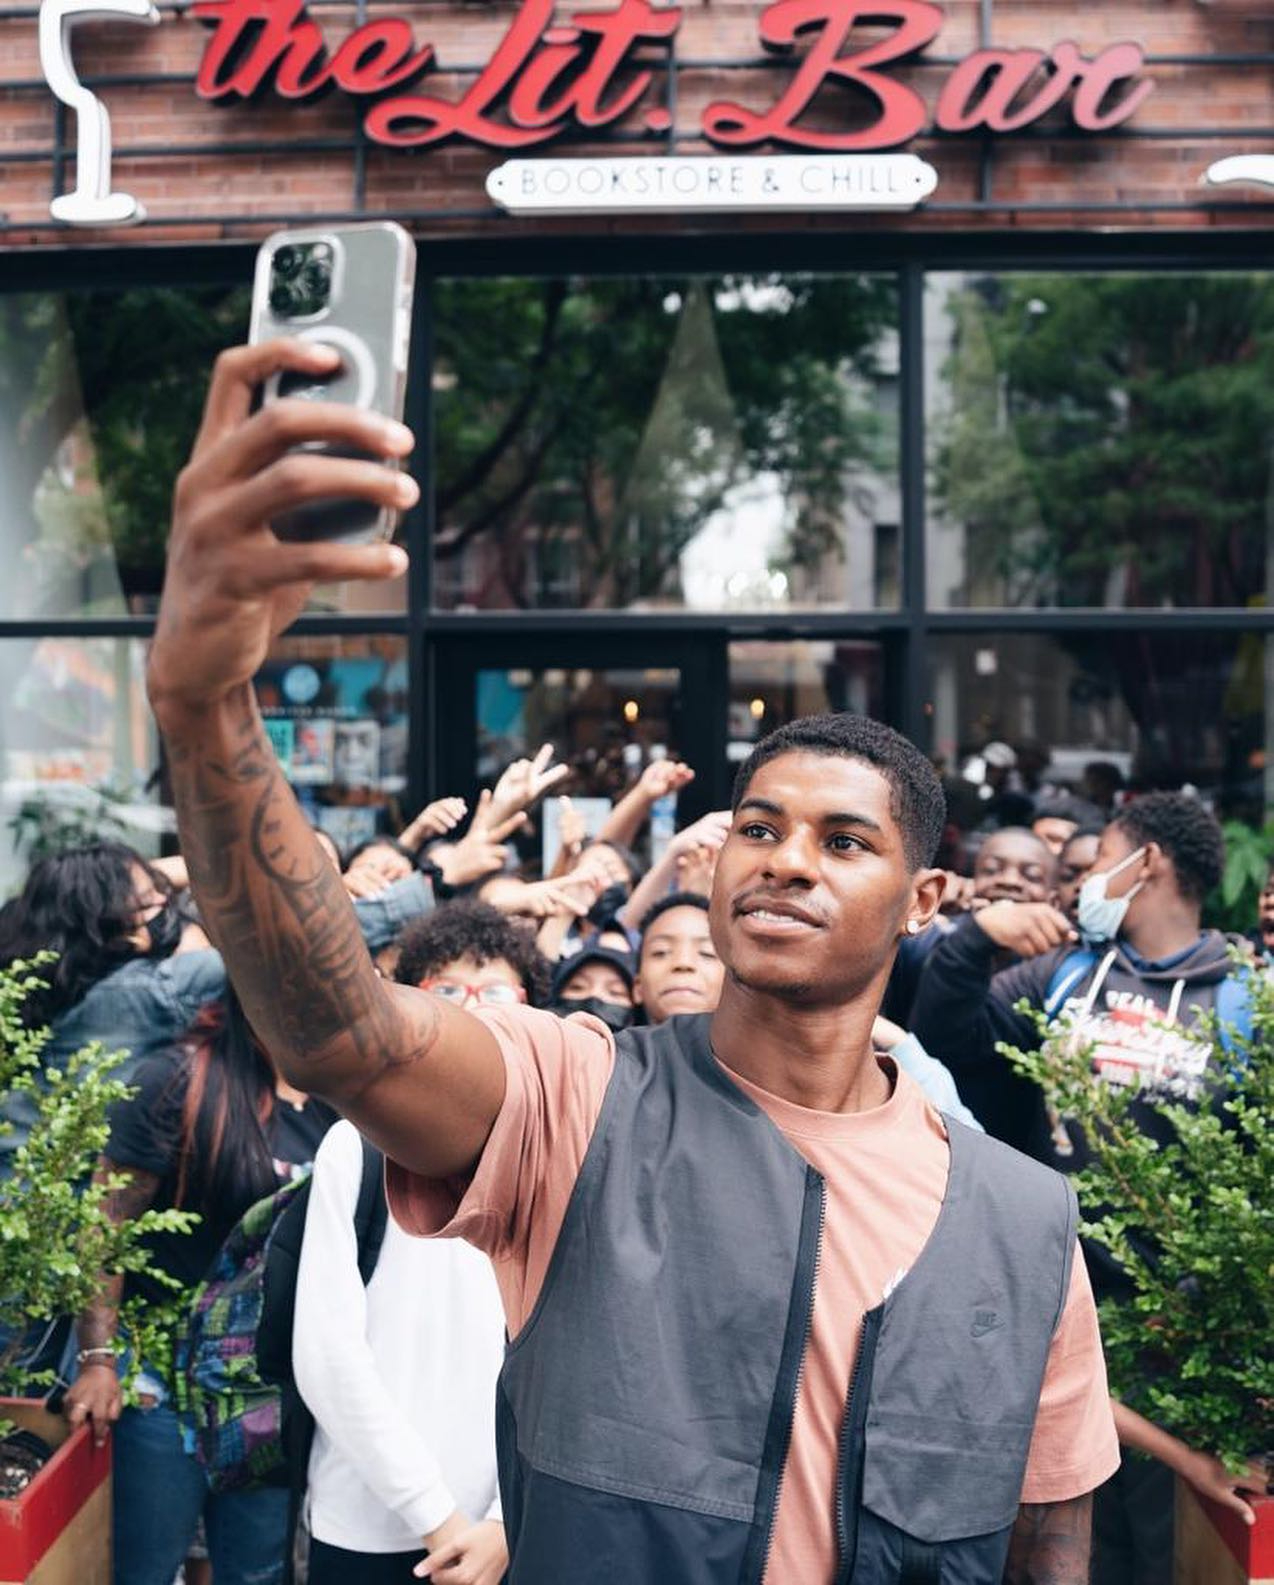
597 980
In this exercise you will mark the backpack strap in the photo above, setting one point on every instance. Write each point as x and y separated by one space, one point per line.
371 1212
1069 971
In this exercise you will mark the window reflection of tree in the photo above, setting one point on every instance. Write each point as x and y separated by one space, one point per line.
600 424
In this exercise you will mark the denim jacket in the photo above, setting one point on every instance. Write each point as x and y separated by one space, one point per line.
146 1005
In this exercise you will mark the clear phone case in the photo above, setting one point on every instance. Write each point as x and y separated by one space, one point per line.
348 287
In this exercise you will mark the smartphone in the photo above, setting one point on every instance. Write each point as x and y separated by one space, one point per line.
350 288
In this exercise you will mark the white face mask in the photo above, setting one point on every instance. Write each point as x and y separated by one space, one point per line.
1100 917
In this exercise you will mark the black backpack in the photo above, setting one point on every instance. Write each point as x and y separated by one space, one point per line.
278 1311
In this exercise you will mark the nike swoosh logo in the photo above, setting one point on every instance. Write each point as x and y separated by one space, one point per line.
981 1328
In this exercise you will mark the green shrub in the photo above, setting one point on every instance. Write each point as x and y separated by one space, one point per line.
56 1239
1192 1349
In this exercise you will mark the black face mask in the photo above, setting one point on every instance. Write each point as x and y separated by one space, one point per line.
613 1014
608 905
165 930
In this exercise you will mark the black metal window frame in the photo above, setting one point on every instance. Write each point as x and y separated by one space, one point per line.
905 631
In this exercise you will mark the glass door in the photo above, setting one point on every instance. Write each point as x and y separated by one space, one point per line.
608 707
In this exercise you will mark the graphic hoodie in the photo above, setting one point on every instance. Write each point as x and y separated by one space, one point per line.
1140 1016
1119 1001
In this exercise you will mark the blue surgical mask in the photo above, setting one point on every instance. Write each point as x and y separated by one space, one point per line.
1100 917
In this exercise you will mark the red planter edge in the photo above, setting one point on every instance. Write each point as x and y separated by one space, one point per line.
1215 1547
32 1522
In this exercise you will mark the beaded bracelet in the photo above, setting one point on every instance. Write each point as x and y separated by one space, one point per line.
86 1355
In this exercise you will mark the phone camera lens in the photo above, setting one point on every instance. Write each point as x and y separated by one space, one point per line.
316 282
287 261
281 299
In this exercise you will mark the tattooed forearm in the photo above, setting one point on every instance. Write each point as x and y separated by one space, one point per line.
279 914
1050 1544
95 1327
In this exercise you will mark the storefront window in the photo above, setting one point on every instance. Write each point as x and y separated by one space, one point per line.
336 711
773 682
1100 440
1157 710
723 443
606 725
78 749
100 398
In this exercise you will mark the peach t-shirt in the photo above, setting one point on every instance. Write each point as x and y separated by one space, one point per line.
886 1174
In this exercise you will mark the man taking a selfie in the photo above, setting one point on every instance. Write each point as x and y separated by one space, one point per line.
772 1318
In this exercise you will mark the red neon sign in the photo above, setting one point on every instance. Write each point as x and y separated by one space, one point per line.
544 77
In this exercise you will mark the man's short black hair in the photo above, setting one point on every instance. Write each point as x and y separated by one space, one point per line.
468 928
1186 832
666 905
916 802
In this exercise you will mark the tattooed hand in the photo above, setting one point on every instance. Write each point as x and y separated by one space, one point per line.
231 586
422 1079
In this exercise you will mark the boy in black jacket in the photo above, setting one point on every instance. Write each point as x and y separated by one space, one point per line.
1138 961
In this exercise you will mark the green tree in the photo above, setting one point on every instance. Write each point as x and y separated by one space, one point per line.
1110 424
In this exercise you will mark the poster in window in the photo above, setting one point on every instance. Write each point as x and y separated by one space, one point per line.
281 733
314 751
357 753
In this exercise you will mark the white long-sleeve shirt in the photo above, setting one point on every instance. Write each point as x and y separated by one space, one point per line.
400 1376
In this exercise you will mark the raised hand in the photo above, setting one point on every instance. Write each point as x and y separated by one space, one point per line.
709 831
422 1079
599 866
570 896
572 828
364 883
523 783
696 868
434 820
663 776
231 587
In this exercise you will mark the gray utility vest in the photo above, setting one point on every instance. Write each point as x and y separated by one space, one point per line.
644 1411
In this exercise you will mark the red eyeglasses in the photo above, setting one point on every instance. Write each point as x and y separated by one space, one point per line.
498 994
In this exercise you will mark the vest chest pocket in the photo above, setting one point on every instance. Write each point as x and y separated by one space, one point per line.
943 1480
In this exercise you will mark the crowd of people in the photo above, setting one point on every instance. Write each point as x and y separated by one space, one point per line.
399 1372
682 1241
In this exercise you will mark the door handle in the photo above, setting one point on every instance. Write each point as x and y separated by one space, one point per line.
91 202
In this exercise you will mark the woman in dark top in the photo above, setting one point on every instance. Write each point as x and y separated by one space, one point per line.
210 1129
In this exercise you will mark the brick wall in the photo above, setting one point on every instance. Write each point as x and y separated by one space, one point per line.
214 170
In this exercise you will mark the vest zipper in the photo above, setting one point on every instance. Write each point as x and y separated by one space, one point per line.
779 1432
853 1438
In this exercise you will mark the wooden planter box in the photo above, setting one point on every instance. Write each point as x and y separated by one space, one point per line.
1215 1547
58 1532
